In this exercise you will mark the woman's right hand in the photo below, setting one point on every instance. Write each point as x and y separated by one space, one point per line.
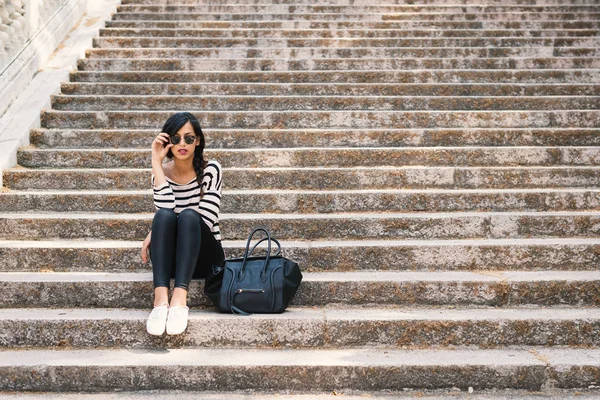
159 149
146 247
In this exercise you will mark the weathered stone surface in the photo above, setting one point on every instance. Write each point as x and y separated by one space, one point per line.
306 328
325 157
456 76
320 179
463 16
422 9
418 226
329 255
500 289
339 89
130 28
337 103
318 202
203 369
278 138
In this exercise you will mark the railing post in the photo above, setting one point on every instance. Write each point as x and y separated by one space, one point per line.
32 13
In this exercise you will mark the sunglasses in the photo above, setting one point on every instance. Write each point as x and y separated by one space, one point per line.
189 139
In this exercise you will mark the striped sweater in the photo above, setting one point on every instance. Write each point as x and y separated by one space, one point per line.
178 197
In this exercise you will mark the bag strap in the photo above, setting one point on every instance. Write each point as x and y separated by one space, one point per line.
247 253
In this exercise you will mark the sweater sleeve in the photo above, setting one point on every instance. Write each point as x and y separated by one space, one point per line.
212 183
163 196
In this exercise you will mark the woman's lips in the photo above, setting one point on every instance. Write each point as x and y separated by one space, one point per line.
182 151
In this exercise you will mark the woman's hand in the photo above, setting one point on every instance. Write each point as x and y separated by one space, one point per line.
146 247
159 149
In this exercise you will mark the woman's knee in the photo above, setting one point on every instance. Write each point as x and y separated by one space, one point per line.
164 216
188 217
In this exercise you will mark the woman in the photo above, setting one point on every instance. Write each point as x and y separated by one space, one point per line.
185 240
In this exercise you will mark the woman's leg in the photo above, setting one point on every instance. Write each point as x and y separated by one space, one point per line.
211 253
189 237
162 253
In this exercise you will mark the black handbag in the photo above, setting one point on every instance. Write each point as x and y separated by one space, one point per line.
254 284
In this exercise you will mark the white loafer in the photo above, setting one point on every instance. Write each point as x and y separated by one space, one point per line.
177 320
157 320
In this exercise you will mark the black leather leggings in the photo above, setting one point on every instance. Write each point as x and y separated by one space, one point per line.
182 247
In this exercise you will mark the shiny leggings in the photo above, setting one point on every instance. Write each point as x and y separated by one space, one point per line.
185 242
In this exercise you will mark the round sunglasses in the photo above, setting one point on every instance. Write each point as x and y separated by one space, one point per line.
189 139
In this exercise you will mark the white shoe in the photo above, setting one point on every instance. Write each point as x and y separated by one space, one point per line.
157 320
177 320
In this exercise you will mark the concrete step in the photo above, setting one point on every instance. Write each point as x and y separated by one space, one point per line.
367 64
321 256
54 119
267 56
517 24
144 29
321 102
258 200
352 9
325 157
332 89
195 42
373 288
282 138
372 178
473 16
341 76
347 226
296 369
328 328
294 55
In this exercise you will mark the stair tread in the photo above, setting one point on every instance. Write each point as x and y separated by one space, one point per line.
258 358
349 276
319 313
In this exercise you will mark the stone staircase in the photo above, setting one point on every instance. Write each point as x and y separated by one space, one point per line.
433 166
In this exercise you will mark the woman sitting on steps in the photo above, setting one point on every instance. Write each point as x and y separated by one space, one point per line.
185 240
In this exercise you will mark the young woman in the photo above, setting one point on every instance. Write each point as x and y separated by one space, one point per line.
185 240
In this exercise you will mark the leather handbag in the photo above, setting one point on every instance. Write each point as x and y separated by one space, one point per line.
254 284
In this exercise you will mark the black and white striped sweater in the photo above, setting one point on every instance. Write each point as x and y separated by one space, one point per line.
178 197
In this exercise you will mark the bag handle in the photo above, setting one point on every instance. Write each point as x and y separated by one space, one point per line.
262 240
247 253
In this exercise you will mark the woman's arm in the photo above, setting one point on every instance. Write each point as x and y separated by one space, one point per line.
146 247
159 152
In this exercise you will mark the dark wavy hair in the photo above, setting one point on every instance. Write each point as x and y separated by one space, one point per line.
173 125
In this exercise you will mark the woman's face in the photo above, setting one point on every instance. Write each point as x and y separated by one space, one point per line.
183 150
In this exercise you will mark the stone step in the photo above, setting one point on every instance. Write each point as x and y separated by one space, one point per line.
345 76
372 178
324 157
312 328
358 2
55 119
530 25
273 102
145 29
473 16
347 226
258 200
195 42
420 9
331 89
177 58
282 138
296 369
380 288
321 256
366 64
406 393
